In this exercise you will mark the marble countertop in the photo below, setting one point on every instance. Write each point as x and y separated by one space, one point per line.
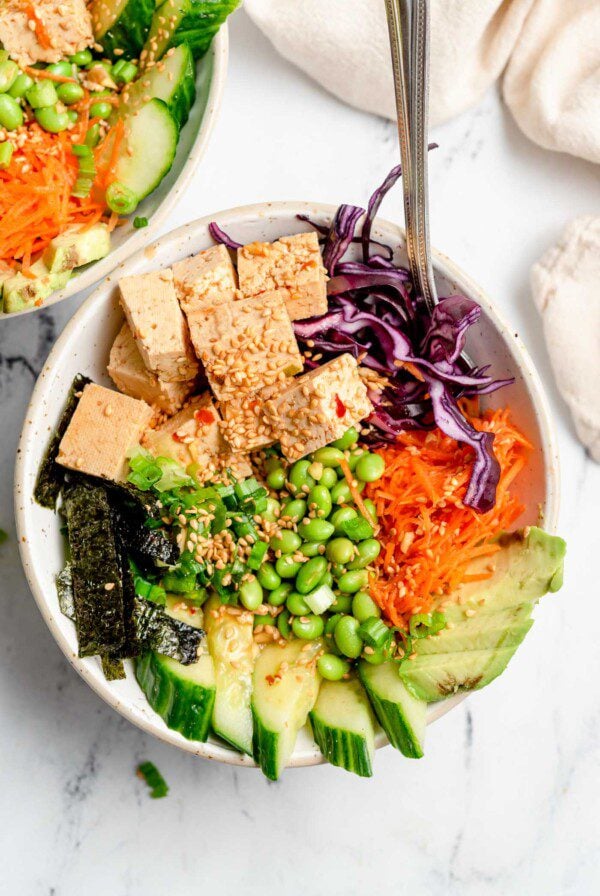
506 800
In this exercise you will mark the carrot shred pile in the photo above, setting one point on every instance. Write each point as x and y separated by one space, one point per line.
429 536
36 204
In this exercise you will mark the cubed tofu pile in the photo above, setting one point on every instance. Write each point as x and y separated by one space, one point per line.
234 324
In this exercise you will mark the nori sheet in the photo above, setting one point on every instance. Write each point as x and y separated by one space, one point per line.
158 631
99 612
113 669
51 476
148 547
64 588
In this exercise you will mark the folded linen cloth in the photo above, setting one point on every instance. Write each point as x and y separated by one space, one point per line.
549 48
566 290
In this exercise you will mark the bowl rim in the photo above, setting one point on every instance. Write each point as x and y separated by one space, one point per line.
197 230
219 50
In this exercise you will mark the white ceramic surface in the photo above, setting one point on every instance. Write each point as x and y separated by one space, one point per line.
84 346
211 75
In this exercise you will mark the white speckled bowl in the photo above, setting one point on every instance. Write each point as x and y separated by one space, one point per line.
84 347
211 74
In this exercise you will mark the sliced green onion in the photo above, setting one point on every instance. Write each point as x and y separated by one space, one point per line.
257 554
148 590
179 584
92 138
120 199
82 188
138 223
153 778
6 151
375 633
81 150
423 624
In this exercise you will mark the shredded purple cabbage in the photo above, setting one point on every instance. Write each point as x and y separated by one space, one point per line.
375 315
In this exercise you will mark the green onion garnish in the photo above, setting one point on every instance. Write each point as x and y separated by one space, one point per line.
423 624
138 223
153 778
257 554
120 199
375 633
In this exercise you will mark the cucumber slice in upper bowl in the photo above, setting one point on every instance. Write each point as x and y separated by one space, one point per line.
147 150
172 80
121 25
194 22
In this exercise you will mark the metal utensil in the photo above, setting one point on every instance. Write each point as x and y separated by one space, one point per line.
408 24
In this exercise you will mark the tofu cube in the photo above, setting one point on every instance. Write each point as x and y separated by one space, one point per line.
319 407
193 436
208 278
104 427
245 345
158 325
246 423
130 375
291 267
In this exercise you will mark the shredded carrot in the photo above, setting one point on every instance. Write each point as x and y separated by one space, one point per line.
47 76
35 197
429 536
40 31
356 495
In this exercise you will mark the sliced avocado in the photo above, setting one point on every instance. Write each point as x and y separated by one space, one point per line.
529 564
440 675
483 631
22 292
76 247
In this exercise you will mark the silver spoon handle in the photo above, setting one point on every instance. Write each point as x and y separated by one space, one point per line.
408 24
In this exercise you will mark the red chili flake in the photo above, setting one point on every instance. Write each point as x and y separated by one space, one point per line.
340 407
270 679
177 438
203 415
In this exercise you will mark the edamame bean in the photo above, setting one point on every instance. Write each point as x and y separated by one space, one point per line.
11 114
371 509
356 580
319 499
296 604
20 85
340 493
51 120
364 607
287 567
92 137
327 579
283 624
266 619
300 477
342 516
70 93
354 458
328 477
84 57
271 514
347 638
287 541
370 467
251 594
329 457
308 627
268 577
73 116
332 667
338 569
41 94
312 548
294 509
339 550
62 68
316 530
368 551
311 574
342 603
331 623
276 478
9 72
279 595
100 110
349 438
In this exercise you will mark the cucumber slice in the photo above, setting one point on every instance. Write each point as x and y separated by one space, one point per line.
286 684
121 25
344 726
183 696
194 22
402 716
148 148
231 645
173 80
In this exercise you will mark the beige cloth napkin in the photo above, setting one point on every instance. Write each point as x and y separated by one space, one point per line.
549 51
566 289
